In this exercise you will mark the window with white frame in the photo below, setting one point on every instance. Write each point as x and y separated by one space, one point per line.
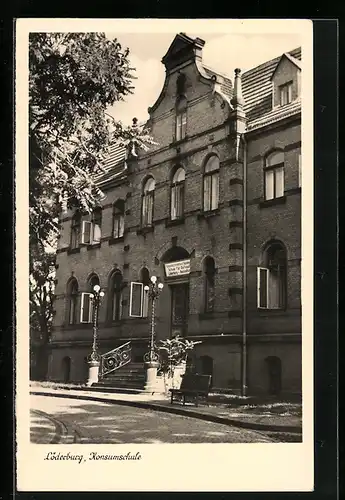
285 92
177 194
139 297
92 229
118 219
181 118
274 175
211 184
147 202
271 279
86 306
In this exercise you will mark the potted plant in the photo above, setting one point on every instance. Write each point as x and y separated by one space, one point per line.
173 355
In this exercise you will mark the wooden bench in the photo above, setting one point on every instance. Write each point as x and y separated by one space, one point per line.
194 386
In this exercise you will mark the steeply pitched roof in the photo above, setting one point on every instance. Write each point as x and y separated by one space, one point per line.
226 83
275 114
257 87
114 166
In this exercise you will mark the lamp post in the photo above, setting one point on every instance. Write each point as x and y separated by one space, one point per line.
151 357
94 358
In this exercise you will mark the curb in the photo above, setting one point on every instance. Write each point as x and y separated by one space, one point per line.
178 411
60 429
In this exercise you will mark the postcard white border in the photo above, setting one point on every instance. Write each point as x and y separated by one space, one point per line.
180 467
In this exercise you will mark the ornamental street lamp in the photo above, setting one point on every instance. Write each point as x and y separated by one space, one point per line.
151 357
94 359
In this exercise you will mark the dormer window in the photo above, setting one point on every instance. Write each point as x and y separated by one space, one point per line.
285 92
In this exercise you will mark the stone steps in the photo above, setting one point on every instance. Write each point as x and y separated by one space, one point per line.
130 376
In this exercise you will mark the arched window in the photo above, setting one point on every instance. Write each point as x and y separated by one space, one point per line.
147 202
118 219
274 175
177 194
210 271
211 184
72 298
86 309
115 296
181 118
75 230
272 278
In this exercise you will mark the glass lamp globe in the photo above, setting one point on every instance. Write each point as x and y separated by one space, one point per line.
146 288
101 294
91 295
160 286
96 288
153 279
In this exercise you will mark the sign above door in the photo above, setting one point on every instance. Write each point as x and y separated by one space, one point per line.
177 268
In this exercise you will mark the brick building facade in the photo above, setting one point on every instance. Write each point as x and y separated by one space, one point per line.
221 191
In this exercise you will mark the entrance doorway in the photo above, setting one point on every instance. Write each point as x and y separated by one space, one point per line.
66 369
179 308
274 368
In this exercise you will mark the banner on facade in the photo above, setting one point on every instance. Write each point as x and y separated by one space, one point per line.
177 268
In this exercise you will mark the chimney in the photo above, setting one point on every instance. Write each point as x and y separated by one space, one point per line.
237 100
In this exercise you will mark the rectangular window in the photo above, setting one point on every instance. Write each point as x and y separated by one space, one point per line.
96 233
262 287
86 308
270 288
285 94
86 232
274 183
117 306
136 300
145 304
119 226
181 126
147 215
177 201
211 192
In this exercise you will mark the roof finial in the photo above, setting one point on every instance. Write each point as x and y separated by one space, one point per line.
237 99
135 122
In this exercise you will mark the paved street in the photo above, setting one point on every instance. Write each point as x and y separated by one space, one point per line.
81 421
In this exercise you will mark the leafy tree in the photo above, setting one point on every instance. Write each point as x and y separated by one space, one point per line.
73 79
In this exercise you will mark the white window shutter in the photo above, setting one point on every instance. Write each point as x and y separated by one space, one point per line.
136 300
86 232
85 308
262 287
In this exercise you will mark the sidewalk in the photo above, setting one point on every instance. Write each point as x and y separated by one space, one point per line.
281 417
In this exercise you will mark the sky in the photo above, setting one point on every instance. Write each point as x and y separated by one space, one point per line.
222 52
